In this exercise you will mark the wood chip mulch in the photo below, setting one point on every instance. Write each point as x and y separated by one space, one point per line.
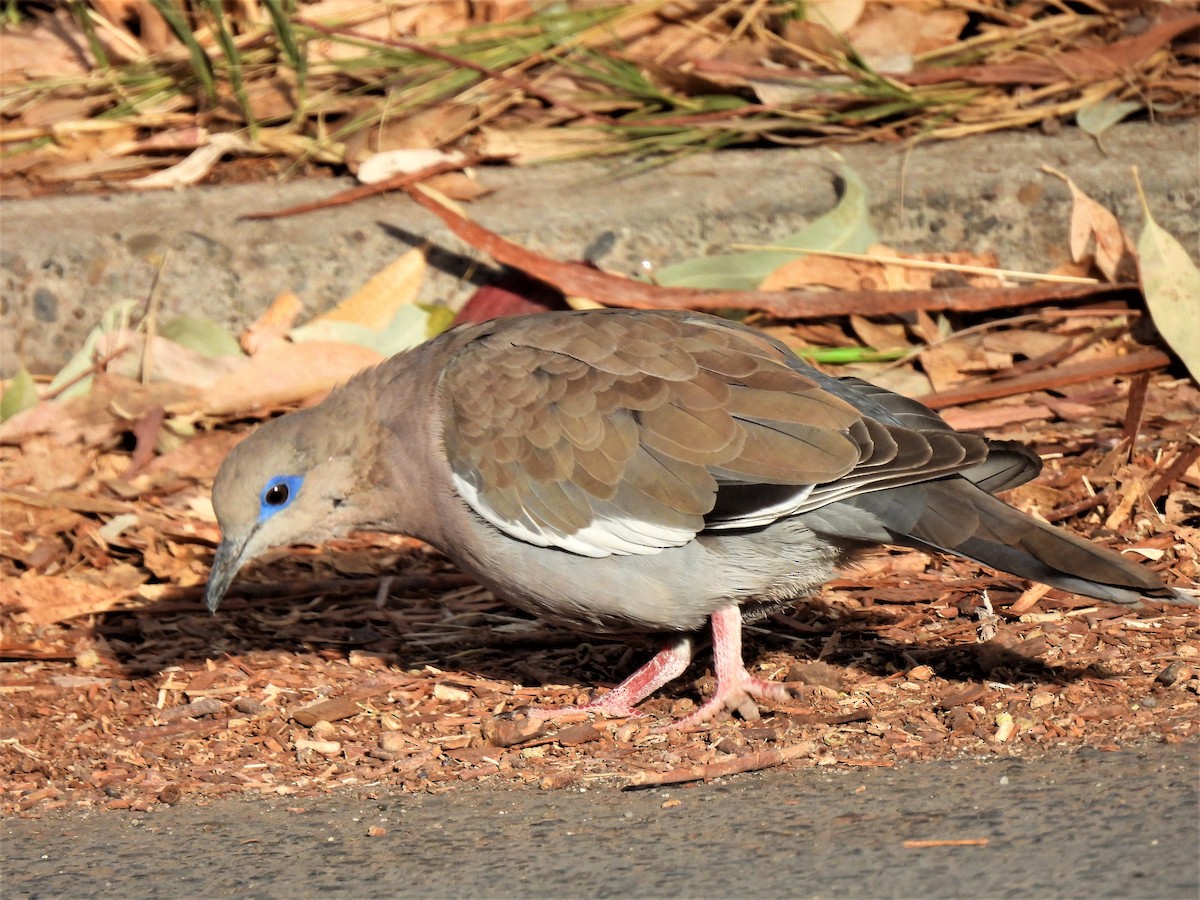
321 672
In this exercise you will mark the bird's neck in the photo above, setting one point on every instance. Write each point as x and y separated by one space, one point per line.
388 430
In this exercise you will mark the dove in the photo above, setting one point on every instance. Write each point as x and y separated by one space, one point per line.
637 472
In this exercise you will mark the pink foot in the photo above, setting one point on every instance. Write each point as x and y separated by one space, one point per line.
736 688
667 665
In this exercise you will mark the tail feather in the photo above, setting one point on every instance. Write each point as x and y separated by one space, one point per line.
955 516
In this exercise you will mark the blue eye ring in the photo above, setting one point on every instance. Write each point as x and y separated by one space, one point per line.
278 494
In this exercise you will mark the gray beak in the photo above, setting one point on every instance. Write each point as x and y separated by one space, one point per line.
225 566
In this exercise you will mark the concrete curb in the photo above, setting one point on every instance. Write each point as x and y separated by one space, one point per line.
66 259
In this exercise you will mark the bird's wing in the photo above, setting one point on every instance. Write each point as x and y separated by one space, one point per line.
616 434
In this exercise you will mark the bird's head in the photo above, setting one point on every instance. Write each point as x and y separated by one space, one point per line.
293 481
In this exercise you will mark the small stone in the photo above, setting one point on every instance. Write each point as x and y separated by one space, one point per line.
557 781
1170 674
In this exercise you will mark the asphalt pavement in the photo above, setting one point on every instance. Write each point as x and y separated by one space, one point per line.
1087 824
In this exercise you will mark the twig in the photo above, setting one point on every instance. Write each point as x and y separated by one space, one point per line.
353 195
97 366
150 319
1057 377
1172 473
576 279
764 759
951 842
1135 409
1073 509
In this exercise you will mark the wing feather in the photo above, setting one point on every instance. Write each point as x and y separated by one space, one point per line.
608 432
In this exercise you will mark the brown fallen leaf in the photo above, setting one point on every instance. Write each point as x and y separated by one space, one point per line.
374 305
891 32
1115 256
281 374
274 324
1113 60
46 599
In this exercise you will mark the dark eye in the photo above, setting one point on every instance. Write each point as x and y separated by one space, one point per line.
276 495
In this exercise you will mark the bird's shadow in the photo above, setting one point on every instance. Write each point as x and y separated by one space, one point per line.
467 269
467 630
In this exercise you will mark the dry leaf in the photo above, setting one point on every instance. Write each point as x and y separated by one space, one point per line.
1171 284
533 145
46 599
374 305
377 167
281 374
879 335
1089 219
196 166
876 275
836 15
891 36
274 324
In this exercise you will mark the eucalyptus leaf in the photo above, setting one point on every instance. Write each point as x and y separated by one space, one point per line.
1099 117
202 335
408 328
116 318
20 395
1171 283
846 227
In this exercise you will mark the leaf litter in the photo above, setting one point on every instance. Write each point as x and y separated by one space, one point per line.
152 94
373 662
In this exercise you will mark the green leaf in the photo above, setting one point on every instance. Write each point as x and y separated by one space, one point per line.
1099 117
202 335
1171 283
846 227
20 395
407 329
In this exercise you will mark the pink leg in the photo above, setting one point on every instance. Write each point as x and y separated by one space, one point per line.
667 665
736 688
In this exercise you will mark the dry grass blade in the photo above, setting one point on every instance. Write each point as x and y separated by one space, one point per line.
651 78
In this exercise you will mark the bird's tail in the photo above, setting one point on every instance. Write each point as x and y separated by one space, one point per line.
955 516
